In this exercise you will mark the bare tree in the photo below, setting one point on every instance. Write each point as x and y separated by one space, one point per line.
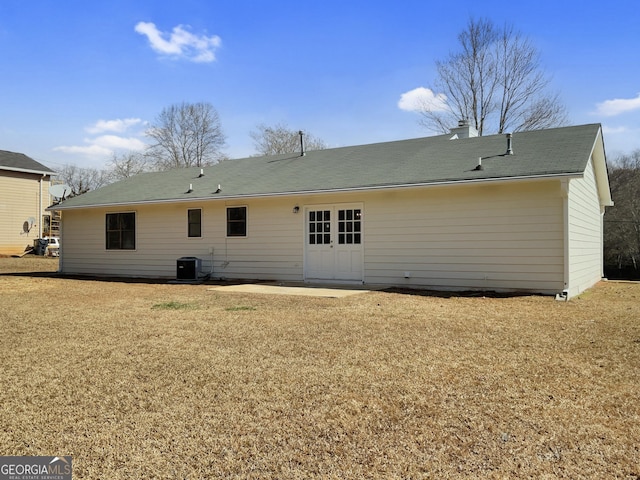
81 180
127 165
281 139
495 81
186 135
622 221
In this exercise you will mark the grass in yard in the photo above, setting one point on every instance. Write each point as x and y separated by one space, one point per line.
379 384
173 305
240 308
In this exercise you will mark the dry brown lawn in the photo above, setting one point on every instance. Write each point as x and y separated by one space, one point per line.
143 380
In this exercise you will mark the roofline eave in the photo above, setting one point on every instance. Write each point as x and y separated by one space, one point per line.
599 157
26 170
324 191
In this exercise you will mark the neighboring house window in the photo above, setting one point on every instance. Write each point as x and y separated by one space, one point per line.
121 231
194 222
237 221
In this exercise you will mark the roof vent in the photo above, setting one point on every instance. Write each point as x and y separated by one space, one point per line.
464 130
302 152
509 145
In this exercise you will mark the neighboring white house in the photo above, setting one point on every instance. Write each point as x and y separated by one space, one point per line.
452 212
24 197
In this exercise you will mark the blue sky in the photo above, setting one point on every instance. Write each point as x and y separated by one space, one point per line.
82 79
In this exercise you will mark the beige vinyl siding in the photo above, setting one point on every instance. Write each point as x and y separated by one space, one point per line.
503 236
20 195
272 248
584 232
497 237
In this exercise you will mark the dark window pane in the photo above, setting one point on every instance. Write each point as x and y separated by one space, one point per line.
340 214
350 227
128 221
195 230
356 238
327 227
237 213
312 228
120 231
312 239
341 227
237 221
319 238
312 216
349 238
112 221
349 214
194 222
195 215
236 229
327 239
341 239
356 226
128 240
113 240
327 215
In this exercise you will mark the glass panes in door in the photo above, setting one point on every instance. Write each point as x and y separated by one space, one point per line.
349 227
320 227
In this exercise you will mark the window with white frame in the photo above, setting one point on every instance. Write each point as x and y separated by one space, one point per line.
236 221
194 222
120 231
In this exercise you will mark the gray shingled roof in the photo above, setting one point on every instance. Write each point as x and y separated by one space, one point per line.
429 160
21 163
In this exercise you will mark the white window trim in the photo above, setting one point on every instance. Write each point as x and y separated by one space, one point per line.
226 221
201 223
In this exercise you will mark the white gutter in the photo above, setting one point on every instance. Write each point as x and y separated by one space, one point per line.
323 191
26 170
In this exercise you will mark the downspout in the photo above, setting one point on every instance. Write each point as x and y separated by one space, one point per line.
564 185
40 208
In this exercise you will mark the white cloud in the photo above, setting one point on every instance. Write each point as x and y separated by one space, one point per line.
103 146
115 142
614 130
422 98
89 150
180 43
621 139
118 125
609 108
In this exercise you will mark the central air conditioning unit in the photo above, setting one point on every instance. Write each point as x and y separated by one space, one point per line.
188 268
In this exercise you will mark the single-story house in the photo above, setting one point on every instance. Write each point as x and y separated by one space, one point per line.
24 197
519 212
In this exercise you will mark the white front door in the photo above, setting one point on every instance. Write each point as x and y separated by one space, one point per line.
334 239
